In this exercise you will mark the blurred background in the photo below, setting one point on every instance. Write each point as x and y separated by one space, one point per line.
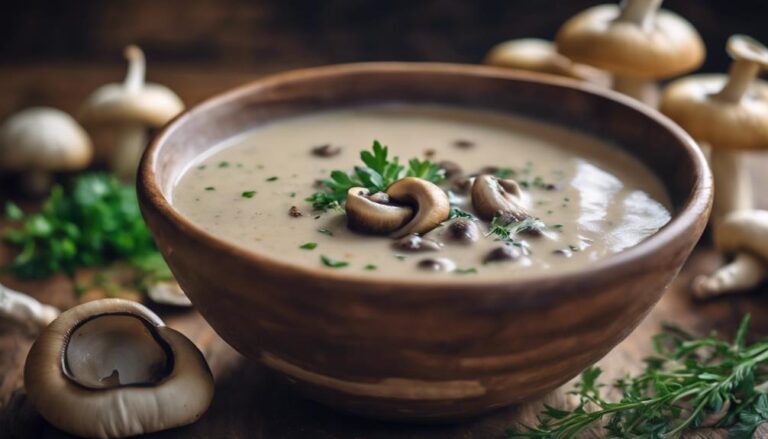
55 52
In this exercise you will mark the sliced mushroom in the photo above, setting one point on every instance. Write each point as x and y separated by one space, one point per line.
25 310
168 293
436 264
367 215
431 204
504 253
491 195
463 230
111 368
415 243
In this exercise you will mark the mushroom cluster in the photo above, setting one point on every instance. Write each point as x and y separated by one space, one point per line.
412 207
729 115
111 368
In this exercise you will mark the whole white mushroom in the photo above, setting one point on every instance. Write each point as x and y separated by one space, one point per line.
38 141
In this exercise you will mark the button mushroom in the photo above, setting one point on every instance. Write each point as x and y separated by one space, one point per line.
431 204
636 42
415 243
463 230
730 115
41 140
541 56
436 264
373 214
131 107
492 195
111 368
504 253
745 234
25 310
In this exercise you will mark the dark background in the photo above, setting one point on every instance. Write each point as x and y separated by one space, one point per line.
243 34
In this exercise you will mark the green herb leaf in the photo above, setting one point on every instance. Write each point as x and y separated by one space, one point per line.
470 270
325 231
328 262
309 246
370 267
458 213
248 194
274 178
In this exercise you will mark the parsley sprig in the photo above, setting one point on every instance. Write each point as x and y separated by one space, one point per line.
378 173
94 221
684 383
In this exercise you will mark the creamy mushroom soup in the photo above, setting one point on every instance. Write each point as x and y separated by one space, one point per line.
511 196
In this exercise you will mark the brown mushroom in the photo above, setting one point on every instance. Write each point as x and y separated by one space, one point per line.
25 310
430 202
535 55
415 243
492 195
730 115
504 253
366 214
463 230
636 42
111 368
436 264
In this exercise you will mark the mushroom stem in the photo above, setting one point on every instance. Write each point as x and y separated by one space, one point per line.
643 90
732 182
640 12
134 79
743 273
36 182
131 141
740 76
25 310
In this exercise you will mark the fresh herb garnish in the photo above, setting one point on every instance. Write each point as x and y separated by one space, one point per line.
687 381
377 174
309 246
328 262
370 267
470 270
248 194
224 164
458 213
94 221
273 178
210 188
506 231
325 231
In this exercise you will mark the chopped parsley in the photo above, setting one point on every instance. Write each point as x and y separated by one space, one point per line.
377 174
210 188
325 231
506 231
273 178
248 194
309 246
224 164
370 267
458 213
328 262
470 270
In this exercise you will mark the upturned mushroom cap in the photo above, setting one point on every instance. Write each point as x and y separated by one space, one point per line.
42 138
738 122
541 56
132 101
111 368
368 216
492 195
431 204
662 46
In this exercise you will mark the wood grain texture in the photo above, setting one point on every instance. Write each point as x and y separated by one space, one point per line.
249 402
423 351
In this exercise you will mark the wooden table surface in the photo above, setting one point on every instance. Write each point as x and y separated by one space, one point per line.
249 402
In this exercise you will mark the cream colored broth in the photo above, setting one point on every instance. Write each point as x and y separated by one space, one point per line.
605 201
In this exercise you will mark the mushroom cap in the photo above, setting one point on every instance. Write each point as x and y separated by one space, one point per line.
541 56
102 406
492 195
594 37
744 230
431 204
42 138
736 126
367 216
153 105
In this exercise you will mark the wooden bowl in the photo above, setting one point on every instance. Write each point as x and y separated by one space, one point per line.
423 351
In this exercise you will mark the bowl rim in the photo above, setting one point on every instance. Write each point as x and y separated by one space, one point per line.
698 204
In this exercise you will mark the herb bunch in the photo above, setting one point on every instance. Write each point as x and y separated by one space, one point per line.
687 382
94 221
377 174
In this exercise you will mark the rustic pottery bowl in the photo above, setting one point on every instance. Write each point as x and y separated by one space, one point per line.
414 350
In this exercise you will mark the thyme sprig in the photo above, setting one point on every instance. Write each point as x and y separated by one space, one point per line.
686 382
378 173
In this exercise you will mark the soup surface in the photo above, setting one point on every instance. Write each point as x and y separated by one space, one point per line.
592 199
